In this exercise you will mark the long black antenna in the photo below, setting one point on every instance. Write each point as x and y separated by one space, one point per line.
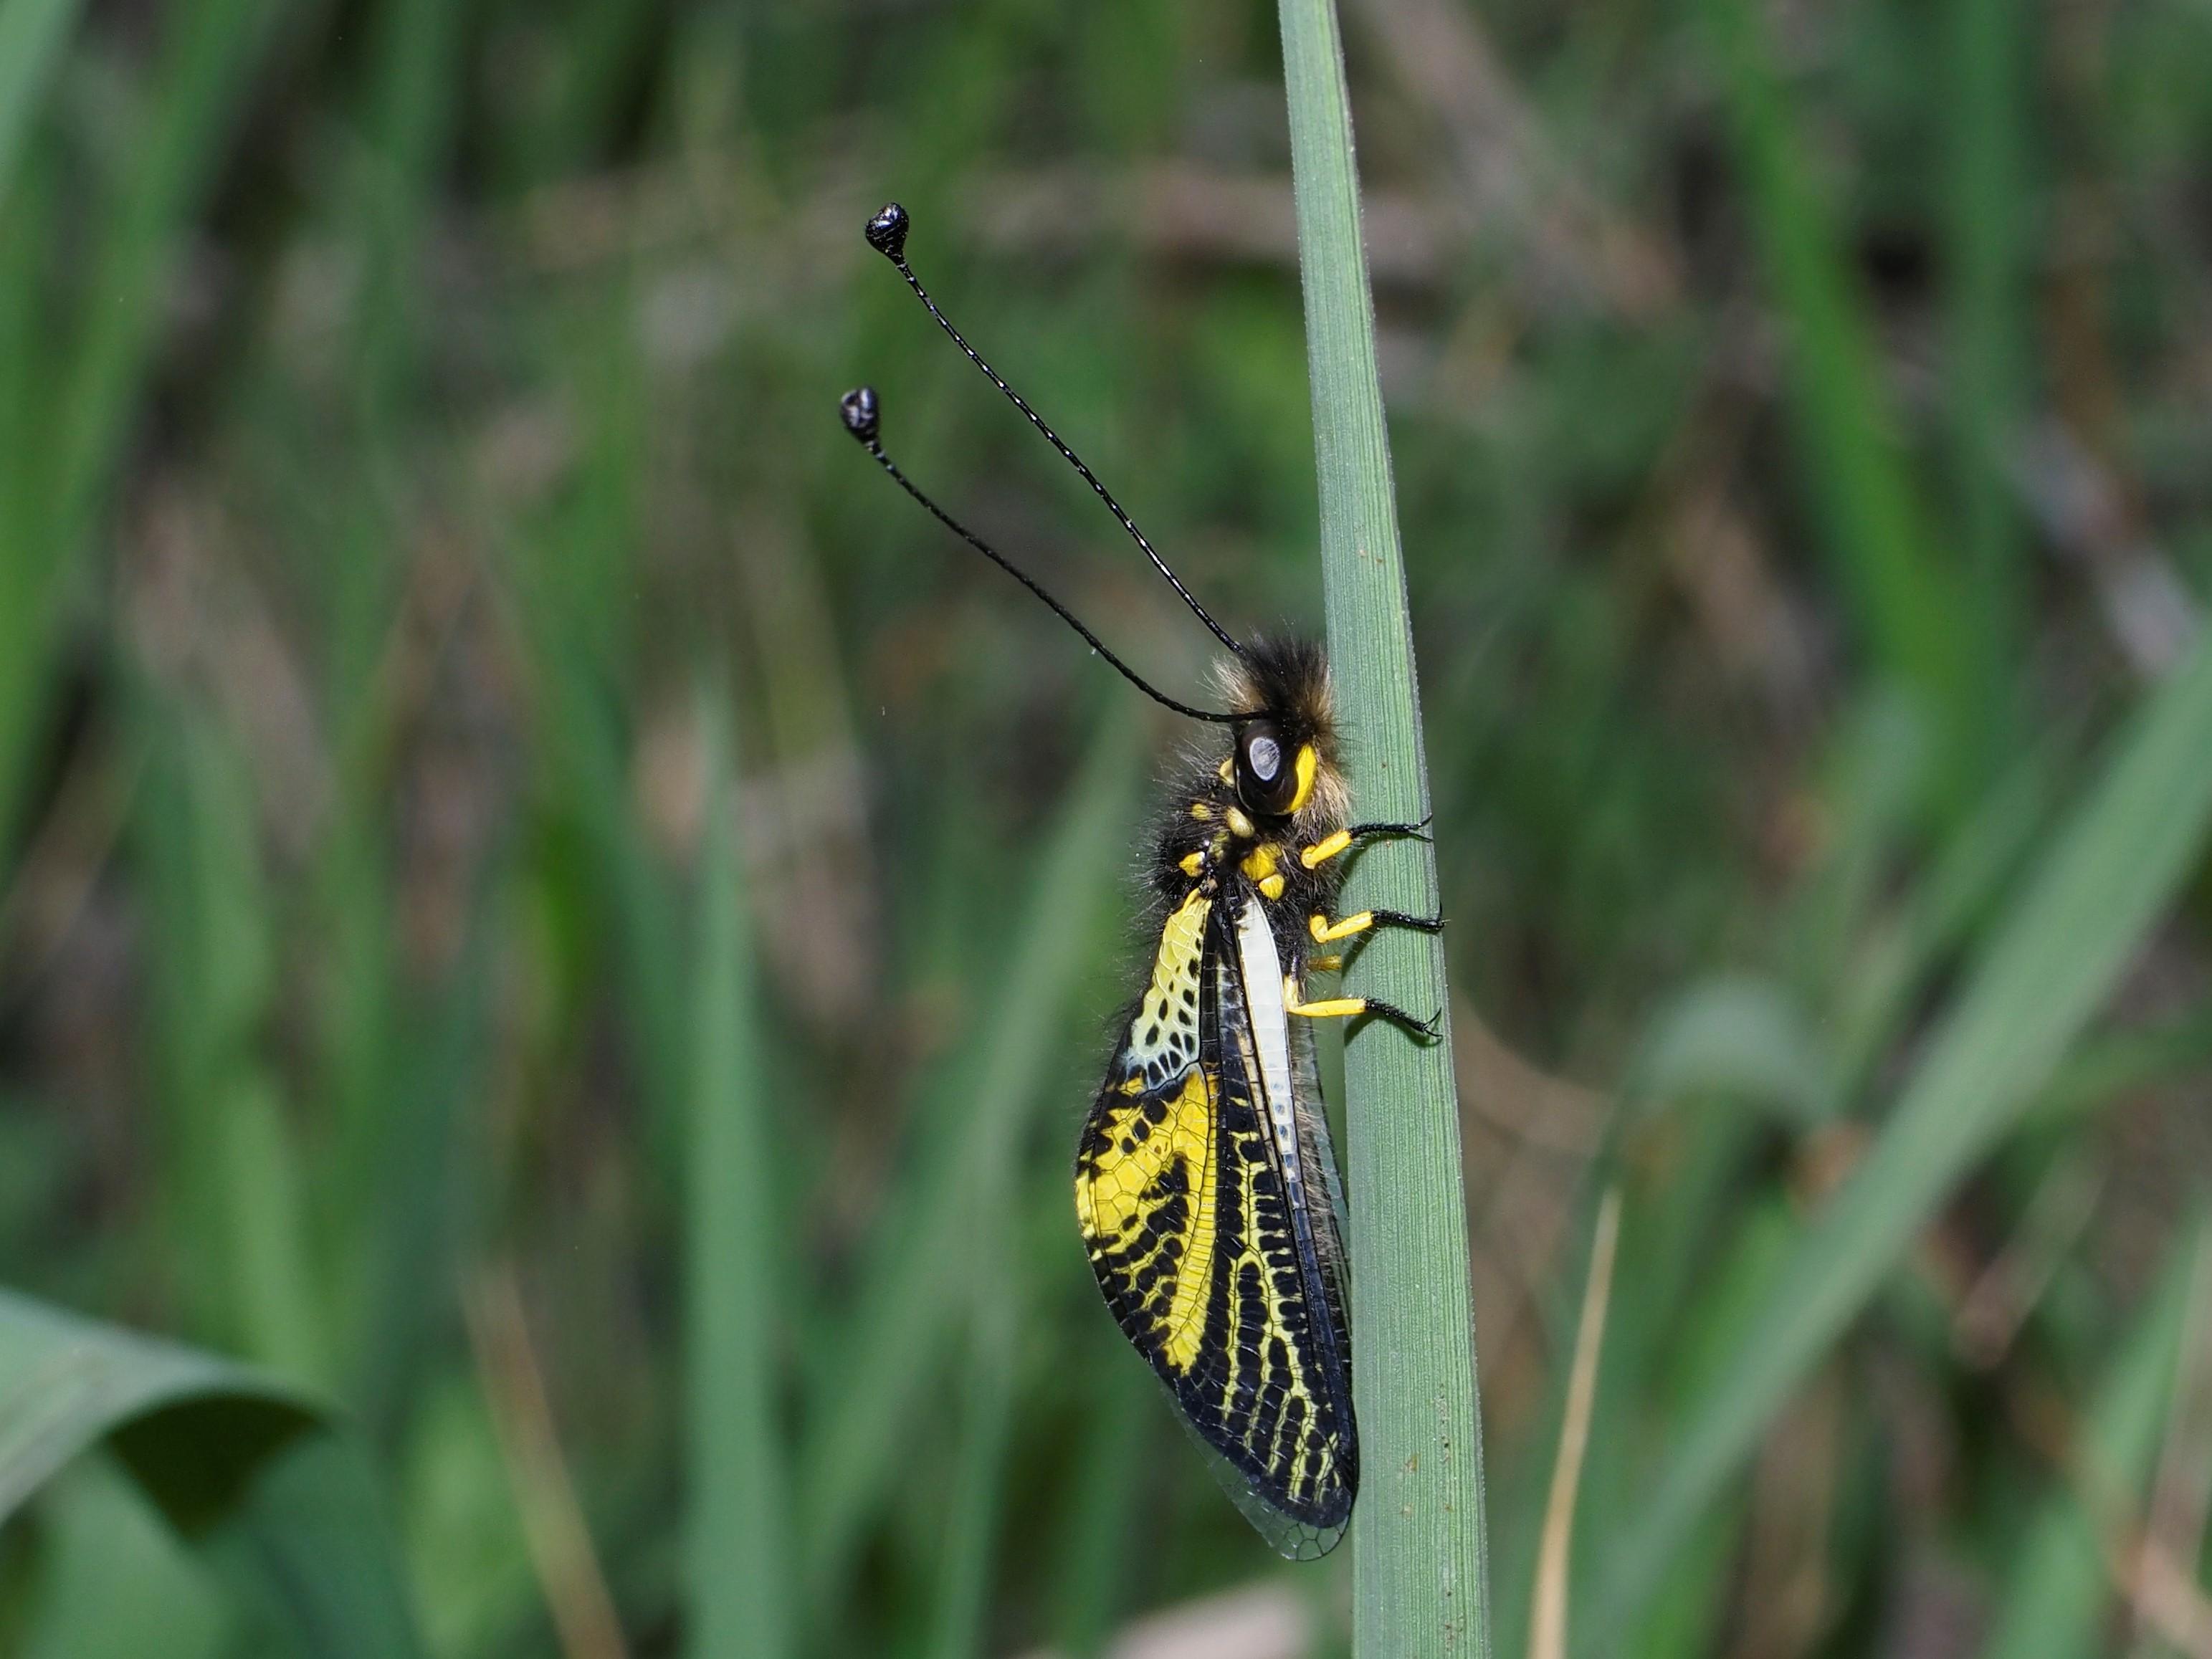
887 235
863 419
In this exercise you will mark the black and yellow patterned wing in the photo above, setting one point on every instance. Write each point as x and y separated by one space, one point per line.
1205 1195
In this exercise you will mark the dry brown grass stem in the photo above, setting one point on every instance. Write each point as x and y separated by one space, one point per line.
1547 1630
560 1545
2168 1601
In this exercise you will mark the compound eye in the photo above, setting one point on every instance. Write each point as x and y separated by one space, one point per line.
1265 779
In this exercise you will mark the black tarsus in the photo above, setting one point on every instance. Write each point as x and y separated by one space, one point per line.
1400 919
1432 1027
1406 831
886 233
1381 919
862 411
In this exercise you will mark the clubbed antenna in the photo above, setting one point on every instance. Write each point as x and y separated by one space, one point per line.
886 233
863 415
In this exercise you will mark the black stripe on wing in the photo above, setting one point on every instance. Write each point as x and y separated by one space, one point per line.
1271 1394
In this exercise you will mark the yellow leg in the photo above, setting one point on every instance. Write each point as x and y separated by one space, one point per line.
1353 1007
1326 932
1330 846
1325 849
1324 965
1326 1008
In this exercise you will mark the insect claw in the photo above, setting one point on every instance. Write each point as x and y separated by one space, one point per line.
1375 1008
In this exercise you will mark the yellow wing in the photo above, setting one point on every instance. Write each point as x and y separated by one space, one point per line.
1144 1173
1214 1262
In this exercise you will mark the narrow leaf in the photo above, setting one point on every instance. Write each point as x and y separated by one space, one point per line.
32 35
739 1505
1417 1563
2111 871
280 1500
909 1301
2062 1578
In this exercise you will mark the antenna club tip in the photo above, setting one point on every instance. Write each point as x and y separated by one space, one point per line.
862 414
886 232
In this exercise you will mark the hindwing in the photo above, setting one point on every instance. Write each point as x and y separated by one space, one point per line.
1205 1192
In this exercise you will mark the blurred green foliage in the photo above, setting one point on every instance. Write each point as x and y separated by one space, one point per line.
542 904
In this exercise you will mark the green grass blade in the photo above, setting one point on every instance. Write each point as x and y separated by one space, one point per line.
85 415
1908 602
114 1581
307 1547
66 1384
1884 981
32 35
253 1473
424 1172
2061 1579
274 1287
971 1526
2112 869
1121 1411
921 1283
1986 329
738 1496
208 51
242 1239
1417 1530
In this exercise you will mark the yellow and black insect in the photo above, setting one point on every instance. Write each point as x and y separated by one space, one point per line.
1205 1184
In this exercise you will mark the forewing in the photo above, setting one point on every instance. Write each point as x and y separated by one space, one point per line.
1145 1171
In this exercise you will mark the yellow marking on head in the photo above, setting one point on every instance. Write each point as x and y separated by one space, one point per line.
1308 767
1201 811
1226 772
1191 863
1239 824
1271 887
1325 849
1325 931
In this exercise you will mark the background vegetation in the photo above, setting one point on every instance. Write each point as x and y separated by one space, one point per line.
543 908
